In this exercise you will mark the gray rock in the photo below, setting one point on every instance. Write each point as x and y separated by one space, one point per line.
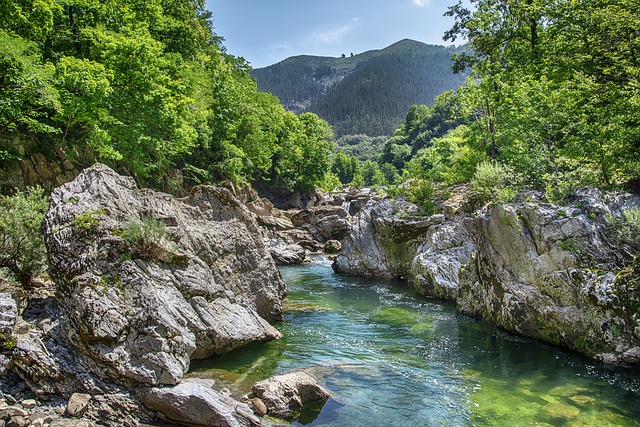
77 404
65 422
383 239
8 314
29 403
17 421
284 395
285 254
193 402
323 222
135 319
332 247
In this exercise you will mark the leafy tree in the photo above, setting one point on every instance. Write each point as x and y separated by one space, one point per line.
22 249
27 92
554 86
345 167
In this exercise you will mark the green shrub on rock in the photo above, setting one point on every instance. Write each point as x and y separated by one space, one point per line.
493 181
22 249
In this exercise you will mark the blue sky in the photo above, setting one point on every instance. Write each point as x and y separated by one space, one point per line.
267 31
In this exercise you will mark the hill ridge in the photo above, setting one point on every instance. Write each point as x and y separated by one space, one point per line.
368 92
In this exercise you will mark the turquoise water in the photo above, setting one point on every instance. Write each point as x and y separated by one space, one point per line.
393 358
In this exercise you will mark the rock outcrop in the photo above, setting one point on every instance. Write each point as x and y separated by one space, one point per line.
536 269
383 239
285 395
195 280
194 402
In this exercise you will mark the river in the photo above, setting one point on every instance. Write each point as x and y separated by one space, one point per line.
393 358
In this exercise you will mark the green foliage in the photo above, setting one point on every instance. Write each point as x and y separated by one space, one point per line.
361 146
144 237
493 182
449 159
22 249
27 92
628 227
554 87
88 220
345 167
372 176
147 88
421 194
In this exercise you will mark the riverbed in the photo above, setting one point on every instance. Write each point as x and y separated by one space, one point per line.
390 357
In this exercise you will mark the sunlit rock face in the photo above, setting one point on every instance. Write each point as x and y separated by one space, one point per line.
206 287
540 270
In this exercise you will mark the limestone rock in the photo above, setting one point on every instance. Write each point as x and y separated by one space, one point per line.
383 239
285 254
77 404
193 402
332 247
207 288
65 422
536 269
286 394
8 314
323 222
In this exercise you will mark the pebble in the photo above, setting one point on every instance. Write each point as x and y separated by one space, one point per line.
17 421
13 411
29 403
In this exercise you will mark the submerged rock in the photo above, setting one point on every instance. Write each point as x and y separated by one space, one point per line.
537 269
284 395
133 312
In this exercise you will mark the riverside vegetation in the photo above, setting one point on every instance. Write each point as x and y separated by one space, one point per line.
550 107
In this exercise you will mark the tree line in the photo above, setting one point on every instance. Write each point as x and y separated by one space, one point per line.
148 88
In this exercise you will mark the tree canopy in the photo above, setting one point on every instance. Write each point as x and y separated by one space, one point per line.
555 86
148 88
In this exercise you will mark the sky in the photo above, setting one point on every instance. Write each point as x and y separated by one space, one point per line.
265 32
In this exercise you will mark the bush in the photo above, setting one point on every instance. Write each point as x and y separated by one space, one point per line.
22 249
421 194
145 237
493 182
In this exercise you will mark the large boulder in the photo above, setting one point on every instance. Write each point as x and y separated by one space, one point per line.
140 310
383 239
194 402
285 395
323 222
285 254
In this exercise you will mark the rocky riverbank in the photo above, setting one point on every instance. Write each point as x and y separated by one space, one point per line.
555 273
143 283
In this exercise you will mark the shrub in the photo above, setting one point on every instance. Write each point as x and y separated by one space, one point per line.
421 193
22 249
493 182
145 236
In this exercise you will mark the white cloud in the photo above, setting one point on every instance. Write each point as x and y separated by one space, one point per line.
329 35
422 3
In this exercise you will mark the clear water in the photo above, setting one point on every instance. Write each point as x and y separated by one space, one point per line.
393 358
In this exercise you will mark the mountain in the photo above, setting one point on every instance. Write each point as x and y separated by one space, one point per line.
368 93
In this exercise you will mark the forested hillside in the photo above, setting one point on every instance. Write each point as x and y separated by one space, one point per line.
146 87
367 93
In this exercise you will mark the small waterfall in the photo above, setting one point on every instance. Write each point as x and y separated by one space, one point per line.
346 205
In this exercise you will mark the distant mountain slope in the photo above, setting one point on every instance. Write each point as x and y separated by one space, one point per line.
368 93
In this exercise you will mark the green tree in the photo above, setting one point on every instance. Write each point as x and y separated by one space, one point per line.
554 86
22 249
